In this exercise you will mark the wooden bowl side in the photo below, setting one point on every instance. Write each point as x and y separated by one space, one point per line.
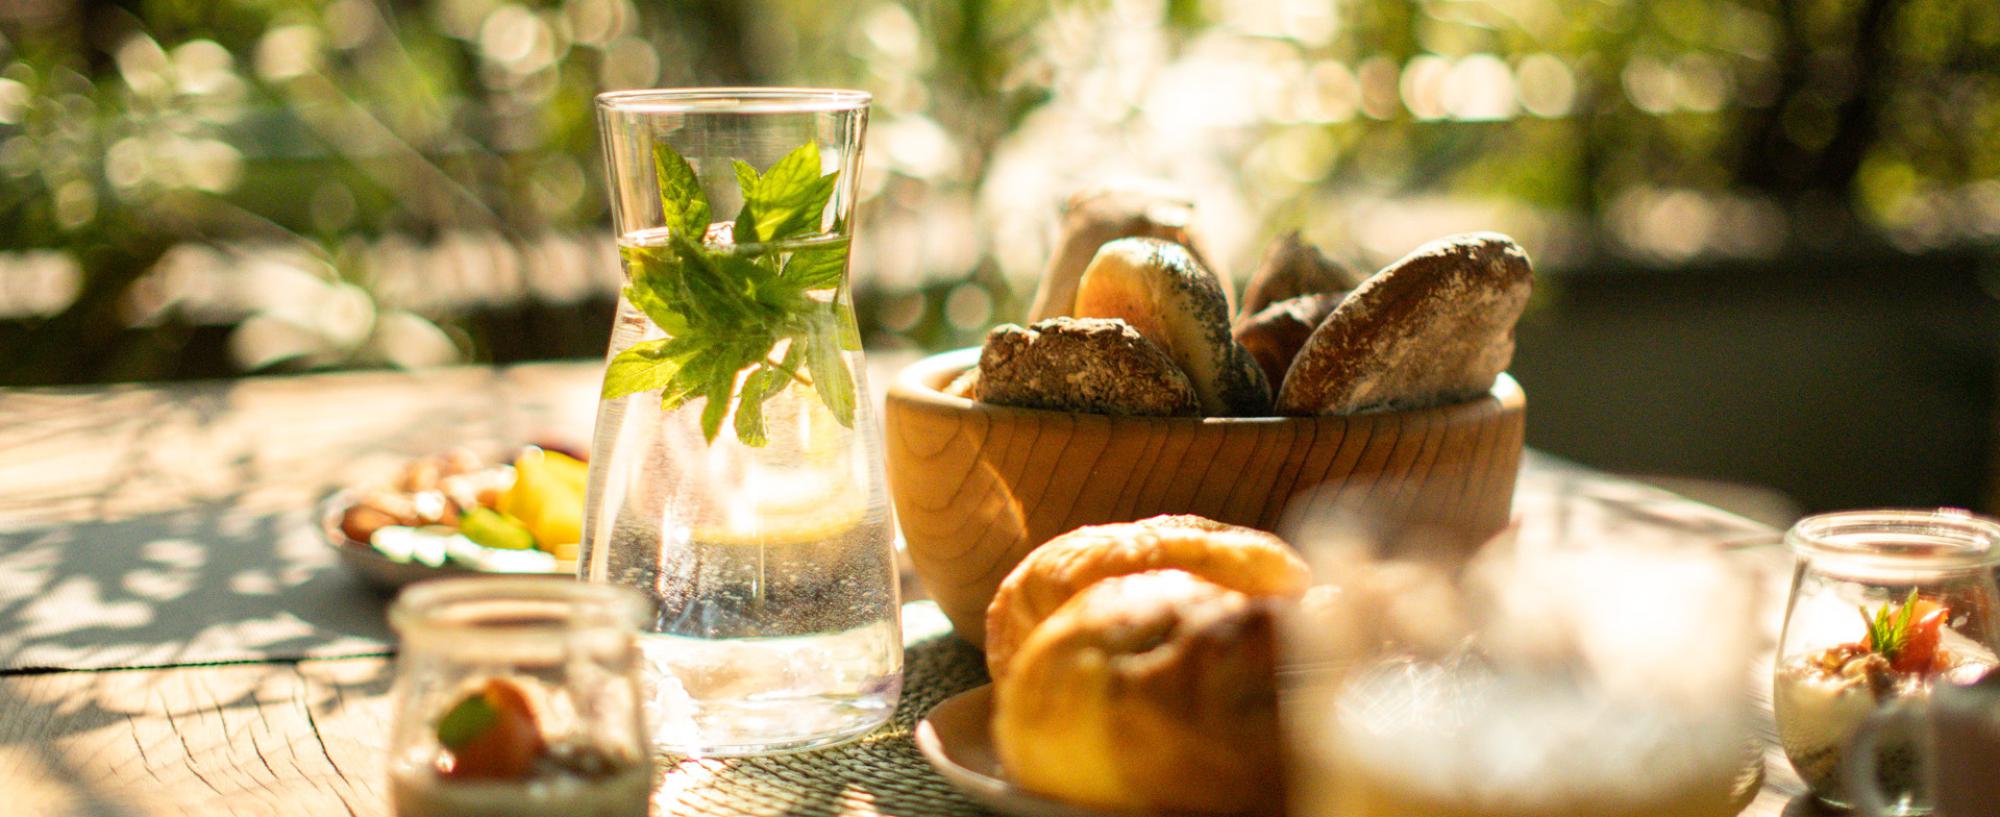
977 486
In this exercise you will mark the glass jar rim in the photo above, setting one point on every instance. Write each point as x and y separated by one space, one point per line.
1940 539
514 606
728 99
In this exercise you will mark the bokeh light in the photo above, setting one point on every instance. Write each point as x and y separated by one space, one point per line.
437 158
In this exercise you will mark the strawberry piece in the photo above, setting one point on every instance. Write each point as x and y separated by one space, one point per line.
492 735
1920 652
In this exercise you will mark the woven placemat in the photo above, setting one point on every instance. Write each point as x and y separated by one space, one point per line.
880 773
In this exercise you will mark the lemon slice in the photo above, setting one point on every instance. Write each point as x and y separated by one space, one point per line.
787 508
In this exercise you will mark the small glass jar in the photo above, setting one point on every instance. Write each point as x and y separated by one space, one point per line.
518 696
1885 604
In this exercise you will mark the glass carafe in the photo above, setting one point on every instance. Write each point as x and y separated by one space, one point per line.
1885 605
736 473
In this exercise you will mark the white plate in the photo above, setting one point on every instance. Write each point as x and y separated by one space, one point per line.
957 738
388 575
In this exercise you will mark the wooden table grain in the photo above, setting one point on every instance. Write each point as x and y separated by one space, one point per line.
307 737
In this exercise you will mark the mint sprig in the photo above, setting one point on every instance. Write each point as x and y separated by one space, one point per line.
466 721
726 309
1889 630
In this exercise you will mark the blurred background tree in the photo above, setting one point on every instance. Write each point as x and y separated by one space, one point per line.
208 188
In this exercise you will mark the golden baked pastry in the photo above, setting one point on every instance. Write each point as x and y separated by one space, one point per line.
1435 327
1292 268
1152 692
1069 364
1161 290
1096 215
1242 559
1273 336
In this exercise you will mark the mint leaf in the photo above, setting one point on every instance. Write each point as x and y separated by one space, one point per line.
719 390
653 285
744 230
819 266
746 177
761 385
846 330
646 366
690 382
724 309
466 721
681 200
763 291
830 376
712 297
788 200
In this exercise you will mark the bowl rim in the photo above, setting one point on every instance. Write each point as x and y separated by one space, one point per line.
915 384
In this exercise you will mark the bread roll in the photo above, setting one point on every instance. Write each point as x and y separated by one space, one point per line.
1242 559
1148 693
1435 327
1096 366
1292 268
1162 291
1273 336
965 385
1094 216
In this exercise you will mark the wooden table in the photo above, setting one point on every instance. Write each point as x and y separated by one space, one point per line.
306 737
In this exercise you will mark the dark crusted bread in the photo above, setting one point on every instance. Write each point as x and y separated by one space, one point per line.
1435 327
1291 268
1097 215
1274 334
1163 291
1081 364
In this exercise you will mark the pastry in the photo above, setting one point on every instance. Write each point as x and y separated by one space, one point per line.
1273 335
1096 366
1435 327
1291 268
1097 215
1161 290
1242 559
1150 693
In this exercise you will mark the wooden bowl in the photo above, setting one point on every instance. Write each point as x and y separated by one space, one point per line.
977 486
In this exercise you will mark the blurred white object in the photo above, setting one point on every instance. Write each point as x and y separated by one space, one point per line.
1520 681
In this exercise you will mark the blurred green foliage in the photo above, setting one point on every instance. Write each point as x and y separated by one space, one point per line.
201 188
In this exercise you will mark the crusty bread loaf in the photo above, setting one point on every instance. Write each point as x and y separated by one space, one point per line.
1239 558
1292 268
1273 335
1088 365
1094 216
1435 327
1164 292
1147 693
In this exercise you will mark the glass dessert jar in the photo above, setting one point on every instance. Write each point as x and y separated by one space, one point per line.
1885 605
517 697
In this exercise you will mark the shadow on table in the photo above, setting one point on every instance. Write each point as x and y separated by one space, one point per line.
202 585
879 773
